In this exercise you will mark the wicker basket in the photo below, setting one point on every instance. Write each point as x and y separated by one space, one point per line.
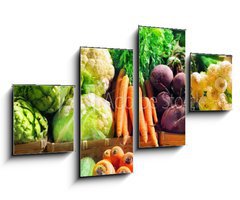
95 148
30 148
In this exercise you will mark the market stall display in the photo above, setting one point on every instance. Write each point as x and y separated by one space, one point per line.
210 82
43 119
161 87
106 124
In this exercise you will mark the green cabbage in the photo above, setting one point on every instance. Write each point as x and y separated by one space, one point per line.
96 118
63 122
28 124
46 98
96 70
87 165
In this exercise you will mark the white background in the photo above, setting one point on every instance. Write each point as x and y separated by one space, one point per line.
39 43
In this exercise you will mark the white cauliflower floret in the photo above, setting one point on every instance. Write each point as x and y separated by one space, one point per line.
97 70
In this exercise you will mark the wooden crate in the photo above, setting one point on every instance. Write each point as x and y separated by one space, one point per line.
59 147
171 139
95 148
149 144
30 148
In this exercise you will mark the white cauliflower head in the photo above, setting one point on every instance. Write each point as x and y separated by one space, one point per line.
97 70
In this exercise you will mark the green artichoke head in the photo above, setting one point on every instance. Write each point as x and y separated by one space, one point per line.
28 124
46 98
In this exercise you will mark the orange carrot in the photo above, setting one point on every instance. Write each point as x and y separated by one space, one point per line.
123 170
122 102
117 88
148 116
154 112
149 89
116 156
103 167
127 160
107 155
130 102
125 127
130 126
142 123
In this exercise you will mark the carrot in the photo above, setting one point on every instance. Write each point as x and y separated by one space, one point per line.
149 120
103 167
127 160
123 170
154 112
130 102
116 156
122 101
118 84
130 126
142 122
149 89
125 127
107 155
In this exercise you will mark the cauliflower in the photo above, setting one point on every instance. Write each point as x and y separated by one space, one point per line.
96 118
97 70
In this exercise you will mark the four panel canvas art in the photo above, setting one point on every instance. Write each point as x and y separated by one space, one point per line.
43 115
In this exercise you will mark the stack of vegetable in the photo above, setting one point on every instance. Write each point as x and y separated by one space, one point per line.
211 82
114 161
104 106
123 92
162 82
42 112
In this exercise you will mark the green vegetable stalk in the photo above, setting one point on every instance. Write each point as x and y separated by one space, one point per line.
123 59
157 45
28 124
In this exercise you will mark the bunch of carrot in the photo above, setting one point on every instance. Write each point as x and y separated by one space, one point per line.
123 106
147 115
114 162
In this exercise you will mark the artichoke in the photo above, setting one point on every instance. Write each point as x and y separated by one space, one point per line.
63 122
28 124
46 98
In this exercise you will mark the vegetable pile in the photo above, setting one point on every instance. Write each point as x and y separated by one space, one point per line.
162 82
114 161
107 93
211 82
42 112
106 106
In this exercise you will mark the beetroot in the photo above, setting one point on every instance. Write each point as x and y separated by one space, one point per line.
161 78
173 119
179 83
163 102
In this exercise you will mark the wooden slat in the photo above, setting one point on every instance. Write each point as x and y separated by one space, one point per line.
171 139
59 147
30 148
